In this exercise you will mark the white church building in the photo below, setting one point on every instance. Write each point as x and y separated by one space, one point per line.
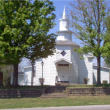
65 65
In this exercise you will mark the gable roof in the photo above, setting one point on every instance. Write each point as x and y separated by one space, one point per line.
62 59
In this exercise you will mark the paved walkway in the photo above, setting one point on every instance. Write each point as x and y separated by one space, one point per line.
94 107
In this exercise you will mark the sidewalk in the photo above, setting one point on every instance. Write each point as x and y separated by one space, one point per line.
91 107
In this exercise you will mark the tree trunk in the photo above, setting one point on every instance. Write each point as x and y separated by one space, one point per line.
98 70
32 76
98 43
15 76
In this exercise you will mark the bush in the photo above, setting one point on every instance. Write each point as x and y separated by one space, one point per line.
105 82
7 82
86 80
41 80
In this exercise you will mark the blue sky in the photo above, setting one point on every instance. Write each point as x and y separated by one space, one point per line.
60 4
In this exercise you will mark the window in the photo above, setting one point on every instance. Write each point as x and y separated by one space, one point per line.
63 53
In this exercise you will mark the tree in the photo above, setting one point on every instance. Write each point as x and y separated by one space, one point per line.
23 25
106 47
89 26
41 50
6 70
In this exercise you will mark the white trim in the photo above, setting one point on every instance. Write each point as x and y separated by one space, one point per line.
27 67
62 59
101 67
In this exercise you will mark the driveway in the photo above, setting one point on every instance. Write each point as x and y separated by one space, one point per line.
93 107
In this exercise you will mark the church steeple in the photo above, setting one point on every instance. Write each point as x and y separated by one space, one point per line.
64 14
64 25
64 34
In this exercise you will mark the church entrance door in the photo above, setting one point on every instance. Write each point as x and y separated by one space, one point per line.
63 73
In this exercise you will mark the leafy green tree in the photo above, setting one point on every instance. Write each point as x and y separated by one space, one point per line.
24 25
88 25
41 50
106 47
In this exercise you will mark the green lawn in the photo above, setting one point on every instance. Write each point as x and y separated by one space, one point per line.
49 102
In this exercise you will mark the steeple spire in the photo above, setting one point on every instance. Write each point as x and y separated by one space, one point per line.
64 24
64 13
64 34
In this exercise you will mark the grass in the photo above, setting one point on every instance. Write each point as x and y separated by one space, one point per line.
50 102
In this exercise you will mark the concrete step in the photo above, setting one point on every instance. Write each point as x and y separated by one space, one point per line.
54 95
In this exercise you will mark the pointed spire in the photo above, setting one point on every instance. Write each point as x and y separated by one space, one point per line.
64 13
64 22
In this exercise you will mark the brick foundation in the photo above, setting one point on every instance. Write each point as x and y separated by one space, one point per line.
13 93
19 93
88 91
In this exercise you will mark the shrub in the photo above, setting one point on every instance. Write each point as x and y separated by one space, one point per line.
86 80
41 80
105 82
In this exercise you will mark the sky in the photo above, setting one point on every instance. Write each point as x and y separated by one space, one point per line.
59 6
